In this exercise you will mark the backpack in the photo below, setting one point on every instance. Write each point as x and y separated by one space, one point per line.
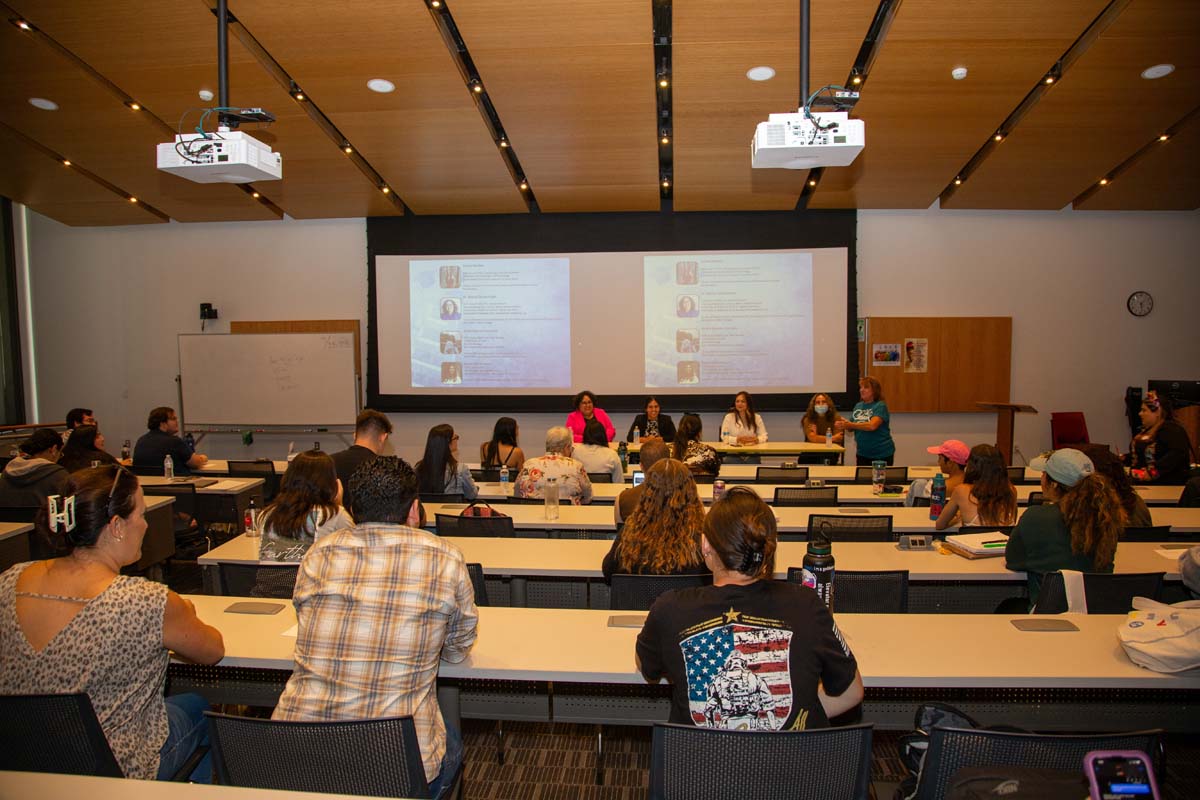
1016 783
1162 637
481 509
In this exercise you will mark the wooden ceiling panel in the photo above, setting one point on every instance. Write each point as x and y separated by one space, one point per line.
921 125
1099 114
29 176
426 138
716 107
573 84
95 130
164 53
1167 178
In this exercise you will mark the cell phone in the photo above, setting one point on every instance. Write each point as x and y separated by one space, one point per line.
1120 775
638 477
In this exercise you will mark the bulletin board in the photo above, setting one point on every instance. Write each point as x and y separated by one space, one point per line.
939 364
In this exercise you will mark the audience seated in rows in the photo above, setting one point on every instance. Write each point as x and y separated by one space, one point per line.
502 450
662 535
574 486
688 447
34 474
75 418
306 508
1105 461
651 453
439 471
984 496
161 440
595 454
84 446
371 431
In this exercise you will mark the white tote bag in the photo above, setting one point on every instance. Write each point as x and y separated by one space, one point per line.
1162 637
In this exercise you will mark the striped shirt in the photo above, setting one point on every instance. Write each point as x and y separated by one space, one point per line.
379 605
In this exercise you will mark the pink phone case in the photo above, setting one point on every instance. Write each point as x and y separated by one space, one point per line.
1097 785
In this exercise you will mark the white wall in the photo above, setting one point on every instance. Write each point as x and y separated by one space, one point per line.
108 303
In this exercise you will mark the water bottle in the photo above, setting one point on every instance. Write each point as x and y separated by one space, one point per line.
817 571
125 451
249 520
168 467
878 476
637 435
937 496
623 453
829 437
316 445
724 435
504 480
551 492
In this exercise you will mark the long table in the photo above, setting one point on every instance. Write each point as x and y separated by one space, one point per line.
566 572
1042 680
49 786
224 501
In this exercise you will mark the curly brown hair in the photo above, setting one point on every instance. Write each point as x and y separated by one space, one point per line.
662 535
1094 516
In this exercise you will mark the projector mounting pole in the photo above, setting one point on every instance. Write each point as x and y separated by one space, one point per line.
223 53
804 31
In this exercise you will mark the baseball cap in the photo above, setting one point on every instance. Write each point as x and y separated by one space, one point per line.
1067 466
953 449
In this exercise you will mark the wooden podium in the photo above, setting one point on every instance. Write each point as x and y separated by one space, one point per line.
1004 424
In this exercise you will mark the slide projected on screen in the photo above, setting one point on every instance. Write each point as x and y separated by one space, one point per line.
464 312
730 320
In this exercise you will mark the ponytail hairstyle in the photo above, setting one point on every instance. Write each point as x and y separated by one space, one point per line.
742 532
1094 516
689 430
90 500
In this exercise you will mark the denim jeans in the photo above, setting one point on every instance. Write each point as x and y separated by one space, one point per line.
451 762
187 730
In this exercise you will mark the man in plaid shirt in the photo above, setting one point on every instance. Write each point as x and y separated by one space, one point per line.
379 605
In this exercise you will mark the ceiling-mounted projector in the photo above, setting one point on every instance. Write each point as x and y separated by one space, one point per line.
222 157
807 141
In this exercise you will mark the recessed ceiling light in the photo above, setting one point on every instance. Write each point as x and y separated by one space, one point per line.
22 24
958 73
43 104
763 73
381 85
1163 138
1158 71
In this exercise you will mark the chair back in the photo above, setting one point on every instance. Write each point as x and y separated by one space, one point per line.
869 592
261 468
184 494
1016 476
805 496
703 477
1068 428
1153 533
781 475
475 571
490 474
525 501
600 477
1106 593
952 749
150 472
432 497
454 525
259 580
374 757
638 592
691 763
1036 498
857 528
891 475
54 733
18 513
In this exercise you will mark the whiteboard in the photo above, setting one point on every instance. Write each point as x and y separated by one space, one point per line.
268 379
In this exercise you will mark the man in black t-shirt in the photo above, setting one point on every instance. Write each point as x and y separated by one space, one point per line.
162 440
371 431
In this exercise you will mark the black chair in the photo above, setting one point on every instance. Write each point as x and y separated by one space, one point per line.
1016 476
703 478
475 571
432 497
150 472
18 513
952 749
600 477
60 733
1036 498
1106 593
525 501
891 475
191 530
454 525
781 475
260 468
1154 533
277 582
638 592
852 528
373 758
490 474
871 592
691 763
805 496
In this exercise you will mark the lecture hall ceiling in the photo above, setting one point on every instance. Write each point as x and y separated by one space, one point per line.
574 87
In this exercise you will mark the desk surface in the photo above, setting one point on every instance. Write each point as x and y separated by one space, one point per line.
46 786
222 486
10 529
581 558
764 449
215 467
893 650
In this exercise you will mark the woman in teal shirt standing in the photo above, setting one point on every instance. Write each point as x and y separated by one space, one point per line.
869 421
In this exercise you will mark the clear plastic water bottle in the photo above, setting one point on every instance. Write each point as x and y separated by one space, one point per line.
551 492
937 496
829 437
251 529
168 467
125 451
504 480
878 476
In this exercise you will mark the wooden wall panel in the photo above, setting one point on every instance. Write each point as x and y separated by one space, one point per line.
975 360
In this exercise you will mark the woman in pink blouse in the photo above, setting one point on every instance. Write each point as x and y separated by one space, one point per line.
585 411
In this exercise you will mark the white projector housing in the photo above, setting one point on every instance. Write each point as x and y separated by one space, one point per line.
234 157
791 141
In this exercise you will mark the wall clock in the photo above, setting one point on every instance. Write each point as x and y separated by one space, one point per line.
1140 303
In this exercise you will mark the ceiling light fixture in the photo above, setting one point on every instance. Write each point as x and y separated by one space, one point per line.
524 185
22 24
958 181
255 195
812 181
662 80
1104 181
763 73
381 85
347 149
43 104
1163 138
133 106
435 3
1158 71
504 143
385 189
958 73
299 96
133 199
476 86
999 137
1048 80
666 184
66 162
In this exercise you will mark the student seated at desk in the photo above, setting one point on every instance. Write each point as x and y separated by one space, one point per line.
748 652
75 624
574 485
627 500
371 431
84 445
502 450
440 471
985 496
306 508
662 535
1162 451
161 440
35 474
821 417
1137 513
699 457
595 454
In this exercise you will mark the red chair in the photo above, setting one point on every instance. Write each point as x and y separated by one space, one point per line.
1068 428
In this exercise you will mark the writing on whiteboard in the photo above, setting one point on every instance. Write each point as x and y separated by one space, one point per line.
281 371
336 342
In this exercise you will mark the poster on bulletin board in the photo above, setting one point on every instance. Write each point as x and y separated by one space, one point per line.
885 355
916 355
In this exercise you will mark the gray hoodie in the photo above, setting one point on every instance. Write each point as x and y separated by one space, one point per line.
29 481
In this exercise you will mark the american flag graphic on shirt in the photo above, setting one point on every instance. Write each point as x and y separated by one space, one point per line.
738 676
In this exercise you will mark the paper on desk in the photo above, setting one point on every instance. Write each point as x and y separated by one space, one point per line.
1171 553
224 486
292 631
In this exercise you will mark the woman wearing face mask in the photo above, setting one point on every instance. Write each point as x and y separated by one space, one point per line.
820 417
